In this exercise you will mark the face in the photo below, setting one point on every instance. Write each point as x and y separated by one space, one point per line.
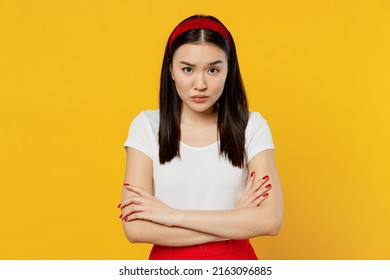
199 72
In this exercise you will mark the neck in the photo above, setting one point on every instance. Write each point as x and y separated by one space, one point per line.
201 118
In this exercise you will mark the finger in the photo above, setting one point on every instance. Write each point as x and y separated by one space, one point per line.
255 195
132 200
138 213
263 190
132 217
135 216
124 185
249 194
266 188
265 178
132 210
127 188
261 182
249 198
244 201
260 199
250 182
256 187
138 191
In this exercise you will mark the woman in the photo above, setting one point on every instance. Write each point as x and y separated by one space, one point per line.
200 175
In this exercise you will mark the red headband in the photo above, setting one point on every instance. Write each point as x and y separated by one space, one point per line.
199 23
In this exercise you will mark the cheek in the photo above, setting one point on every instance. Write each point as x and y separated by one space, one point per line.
179 87
182 85
219 85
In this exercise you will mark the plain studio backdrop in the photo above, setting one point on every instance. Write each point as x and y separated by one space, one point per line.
73 74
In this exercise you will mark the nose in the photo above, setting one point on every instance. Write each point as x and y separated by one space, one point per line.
200 82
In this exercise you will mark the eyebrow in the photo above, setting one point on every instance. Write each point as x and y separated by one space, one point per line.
193 65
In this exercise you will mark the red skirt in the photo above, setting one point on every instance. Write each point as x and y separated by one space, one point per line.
219 250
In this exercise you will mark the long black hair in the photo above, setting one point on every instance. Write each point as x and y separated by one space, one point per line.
232 104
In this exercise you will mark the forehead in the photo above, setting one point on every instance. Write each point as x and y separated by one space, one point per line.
199 52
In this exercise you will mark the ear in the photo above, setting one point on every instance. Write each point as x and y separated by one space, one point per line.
170 70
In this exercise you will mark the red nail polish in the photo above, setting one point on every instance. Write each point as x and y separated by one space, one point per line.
265 177
265 195
125 219
253 173
126 184
268 186
120 216
119 205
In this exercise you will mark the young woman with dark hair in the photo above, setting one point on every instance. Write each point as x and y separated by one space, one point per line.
200 174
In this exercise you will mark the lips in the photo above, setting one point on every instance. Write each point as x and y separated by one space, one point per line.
199 98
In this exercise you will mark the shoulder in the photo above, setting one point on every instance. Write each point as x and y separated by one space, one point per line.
143 132
255 121
257 135
147 118
145 123
151 116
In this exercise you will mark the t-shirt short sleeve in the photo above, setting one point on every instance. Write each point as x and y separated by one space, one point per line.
258 135
140 136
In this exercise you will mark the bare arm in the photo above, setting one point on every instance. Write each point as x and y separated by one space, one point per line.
139 172
239 223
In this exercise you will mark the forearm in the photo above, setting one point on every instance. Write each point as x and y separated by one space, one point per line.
239 223
140 231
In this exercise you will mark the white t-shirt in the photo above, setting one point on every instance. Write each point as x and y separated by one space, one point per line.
201 179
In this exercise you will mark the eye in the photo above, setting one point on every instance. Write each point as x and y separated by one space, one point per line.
187 69
213 70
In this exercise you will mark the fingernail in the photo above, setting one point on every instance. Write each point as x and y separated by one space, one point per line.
126 184
125 219
253 173
120 216
268 186
265 195
119 205
265 177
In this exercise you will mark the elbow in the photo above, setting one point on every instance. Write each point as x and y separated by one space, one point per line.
271 227
274 227
133 234
132 238
275 223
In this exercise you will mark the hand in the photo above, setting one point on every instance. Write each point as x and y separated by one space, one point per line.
255 192
144 206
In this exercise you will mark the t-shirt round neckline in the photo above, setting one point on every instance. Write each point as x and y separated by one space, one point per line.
201 147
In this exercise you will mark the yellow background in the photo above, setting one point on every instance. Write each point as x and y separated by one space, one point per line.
74 73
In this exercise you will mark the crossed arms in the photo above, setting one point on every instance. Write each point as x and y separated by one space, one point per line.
146 219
